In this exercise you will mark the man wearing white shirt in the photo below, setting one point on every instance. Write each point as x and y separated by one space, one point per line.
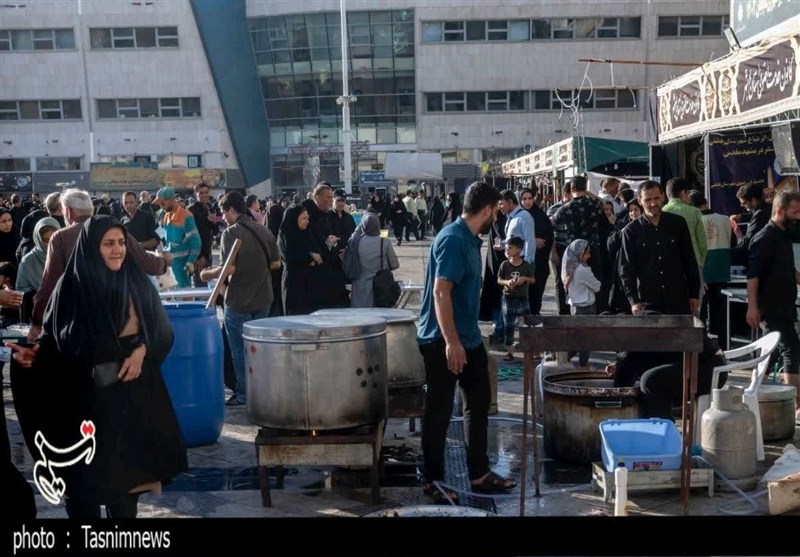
609 189
422 211
520 224
413 219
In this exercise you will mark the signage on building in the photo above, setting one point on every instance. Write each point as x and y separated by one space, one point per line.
188 178
12 182
546 160
124 176
750 18
372 177
750 84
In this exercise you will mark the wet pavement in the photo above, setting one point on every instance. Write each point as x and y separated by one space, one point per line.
223 481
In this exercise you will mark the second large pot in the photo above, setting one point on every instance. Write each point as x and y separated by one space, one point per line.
406 367
574 405
316 373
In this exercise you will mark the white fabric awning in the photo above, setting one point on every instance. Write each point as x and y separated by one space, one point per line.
413 166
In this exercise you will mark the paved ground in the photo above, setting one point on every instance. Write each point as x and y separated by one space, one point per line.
223 478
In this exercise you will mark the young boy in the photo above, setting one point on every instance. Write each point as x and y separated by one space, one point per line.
514 275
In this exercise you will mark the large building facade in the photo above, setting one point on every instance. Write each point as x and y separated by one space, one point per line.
479 81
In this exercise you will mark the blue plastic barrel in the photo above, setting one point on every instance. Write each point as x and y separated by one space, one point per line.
193 372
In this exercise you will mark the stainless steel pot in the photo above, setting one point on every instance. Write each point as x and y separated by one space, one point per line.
316 373
406 367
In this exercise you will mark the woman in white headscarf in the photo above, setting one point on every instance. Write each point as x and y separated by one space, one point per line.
31 268
580 284
372 253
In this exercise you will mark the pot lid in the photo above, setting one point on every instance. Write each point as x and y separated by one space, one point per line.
771 393
391 315
313 328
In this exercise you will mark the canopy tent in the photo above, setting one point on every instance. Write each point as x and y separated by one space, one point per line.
413 166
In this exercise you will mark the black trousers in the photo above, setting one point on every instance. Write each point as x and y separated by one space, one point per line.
536 291
473 385
661 387
84 509
398 233
789 345
17 492
556 256
712 312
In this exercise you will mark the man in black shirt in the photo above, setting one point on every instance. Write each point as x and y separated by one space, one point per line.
139 224
342 222
202 218
658 268
772 281
752 198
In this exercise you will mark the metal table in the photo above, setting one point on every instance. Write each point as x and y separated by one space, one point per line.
168 295
739 296
615 333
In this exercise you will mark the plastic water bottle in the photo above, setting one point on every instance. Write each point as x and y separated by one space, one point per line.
621 489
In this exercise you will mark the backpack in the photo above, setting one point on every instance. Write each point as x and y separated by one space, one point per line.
385 290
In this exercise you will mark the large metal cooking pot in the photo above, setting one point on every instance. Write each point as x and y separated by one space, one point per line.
406 367
316 373
574 405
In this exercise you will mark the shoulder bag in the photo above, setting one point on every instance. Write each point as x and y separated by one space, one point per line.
385 290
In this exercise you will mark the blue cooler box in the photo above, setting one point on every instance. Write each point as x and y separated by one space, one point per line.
650 444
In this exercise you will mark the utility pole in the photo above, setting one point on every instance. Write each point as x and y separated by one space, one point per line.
345 101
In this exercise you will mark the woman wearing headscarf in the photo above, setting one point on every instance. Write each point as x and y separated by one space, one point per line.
372 253
453 210
254 208
399 218
580 284
105 337
9 237
31 268
300 259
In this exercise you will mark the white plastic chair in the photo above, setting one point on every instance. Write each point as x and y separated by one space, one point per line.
764 347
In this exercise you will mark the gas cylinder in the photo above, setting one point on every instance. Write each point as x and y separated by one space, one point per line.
729 434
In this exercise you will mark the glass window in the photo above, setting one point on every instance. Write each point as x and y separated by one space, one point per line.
563 28
51 110
278 38
712 25
5 40
72 109
357 17
668 26
454 102
167 36
626 99
403 39
607 28
29 110
433 102
407 135
170 107
122 37
190 107
541 99
387 135
367 134
106 108
431 31
318 37
21 40
128 108
630 27
497 30
605 98
145 37
586 28
15 165
453 31
8 110
476 30
100 38
148 108
476 101
541 29
585 98
690 26
65 38
43 39
519 30
277 139
516 100
497 100
382 34
380 17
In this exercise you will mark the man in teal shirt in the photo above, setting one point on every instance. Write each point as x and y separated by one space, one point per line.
452 348
678 204
182 238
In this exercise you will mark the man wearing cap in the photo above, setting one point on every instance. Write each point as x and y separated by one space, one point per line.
182 238
342 222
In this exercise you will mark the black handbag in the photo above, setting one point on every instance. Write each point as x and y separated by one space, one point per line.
385 290
106 374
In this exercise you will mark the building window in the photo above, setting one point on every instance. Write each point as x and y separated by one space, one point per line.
453 31
171 107
476 101
133 37
454 102
598 99
58 163
692 26
15 165
36 39
41 110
